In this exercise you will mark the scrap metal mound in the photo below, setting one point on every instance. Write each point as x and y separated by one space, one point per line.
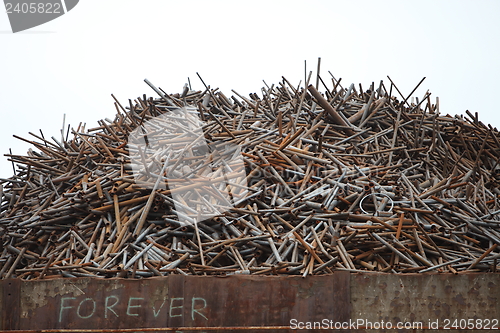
348 179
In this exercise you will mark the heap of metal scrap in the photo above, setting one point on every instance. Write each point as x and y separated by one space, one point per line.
348 179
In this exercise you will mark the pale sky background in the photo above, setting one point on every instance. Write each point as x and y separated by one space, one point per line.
72 64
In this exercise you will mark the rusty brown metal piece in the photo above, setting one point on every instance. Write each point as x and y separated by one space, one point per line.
246 303
173 302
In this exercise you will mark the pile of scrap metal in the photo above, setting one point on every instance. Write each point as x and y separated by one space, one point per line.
288 181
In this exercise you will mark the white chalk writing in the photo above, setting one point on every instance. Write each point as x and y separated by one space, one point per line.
115 307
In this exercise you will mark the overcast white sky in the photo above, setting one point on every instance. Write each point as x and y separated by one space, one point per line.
71 65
